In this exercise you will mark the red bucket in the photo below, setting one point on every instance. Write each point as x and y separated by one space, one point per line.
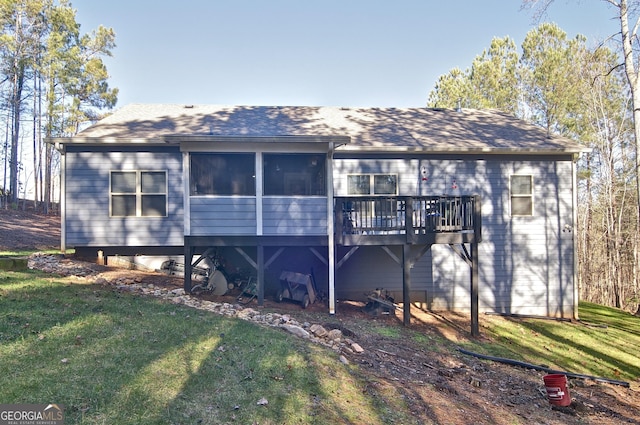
557 391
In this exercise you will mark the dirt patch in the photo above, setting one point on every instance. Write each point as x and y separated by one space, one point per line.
438 384
23 230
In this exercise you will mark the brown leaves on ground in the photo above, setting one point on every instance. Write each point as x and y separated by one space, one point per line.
23 230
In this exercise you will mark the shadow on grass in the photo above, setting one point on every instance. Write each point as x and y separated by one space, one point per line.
611 317
606 351
610 352
110 357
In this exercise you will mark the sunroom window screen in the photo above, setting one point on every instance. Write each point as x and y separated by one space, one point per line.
521 195
223 174
295 174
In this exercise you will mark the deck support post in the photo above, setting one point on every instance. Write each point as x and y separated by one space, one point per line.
475 327
260 271
477 238
188 255
406 284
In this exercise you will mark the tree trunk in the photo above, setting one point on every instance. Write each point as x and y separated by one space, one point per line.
633 75
48 161
16 103
35 146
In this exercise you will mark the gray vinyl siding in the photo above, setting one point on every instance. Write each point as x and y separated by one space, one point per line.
525 263
368 268
87 220
229 215
404 168
224 215
372 267
294 215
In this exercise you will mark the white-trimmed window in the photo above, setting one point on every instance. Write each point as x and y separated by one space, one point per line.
138 193
521 191
372 184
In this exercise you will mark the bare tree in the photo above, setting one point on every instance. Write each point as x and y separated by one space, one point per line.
48 68
627 13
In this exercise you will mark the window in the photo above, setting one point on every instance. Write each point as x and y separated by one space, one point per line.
372 184
295 174
223 174
521 195
138 193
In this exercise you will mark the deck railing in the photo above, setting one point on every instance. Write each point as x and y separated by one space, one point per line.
408 215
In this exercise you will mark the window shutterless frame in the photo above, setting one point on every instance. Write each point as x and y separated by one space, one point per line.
521 195
138 193
372 184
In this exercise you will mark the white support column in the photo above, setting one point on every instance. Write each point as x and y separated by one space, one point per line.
259 185
63 203
186 175
330 232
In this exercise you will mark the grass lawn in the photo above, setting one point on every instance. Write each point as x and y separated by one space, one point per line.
118 358
113 358
27 252
604 343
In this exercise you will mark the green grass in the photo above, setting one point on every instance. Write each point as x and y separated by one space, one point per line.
112 357
119 358
607 350
26 253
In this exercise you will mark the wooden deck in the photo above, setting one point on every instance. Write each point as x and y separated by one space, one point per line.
383 221
407 220
414 220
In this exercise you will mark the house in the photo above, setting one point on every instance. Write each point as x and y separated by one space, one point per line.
468 210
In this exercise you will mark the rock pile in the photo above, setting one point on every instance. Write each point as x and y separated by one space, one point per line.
58 264
332 338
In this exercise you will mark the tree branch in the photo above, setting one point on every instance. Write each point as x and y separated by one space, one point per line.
620 65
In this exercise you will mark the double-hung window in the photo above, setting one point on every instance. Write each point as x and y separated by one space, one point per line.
521 191
138 193
380 213
372 184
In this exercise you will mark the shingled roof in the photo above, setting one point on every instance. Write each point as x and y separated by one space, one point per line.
375 129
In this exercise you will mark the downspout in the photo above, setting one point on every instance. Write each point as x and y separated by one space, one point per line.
331 231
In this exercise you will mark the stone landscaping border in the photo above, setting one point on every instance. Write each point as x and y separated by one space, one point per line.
331 338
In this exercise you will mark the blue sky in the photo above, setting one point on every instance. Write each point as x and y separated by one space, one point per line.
307 52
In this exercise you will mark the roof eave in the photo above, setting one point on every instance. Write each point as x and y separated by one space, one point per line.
337 140
177 139
472 151
103 141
